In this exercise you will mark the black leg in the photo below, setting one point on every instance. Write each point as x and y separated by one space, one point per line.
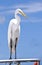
10 54
10 50
15 52
15 46
10 57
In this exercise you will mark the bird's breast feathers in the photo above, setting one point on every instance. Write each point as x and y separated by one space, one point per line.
14 21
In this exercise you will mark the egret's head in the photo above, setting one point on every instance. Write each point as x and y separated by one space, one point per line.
19 11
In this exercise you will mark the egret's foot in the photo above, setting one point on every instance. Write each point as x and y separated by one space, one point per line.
10 62
10 58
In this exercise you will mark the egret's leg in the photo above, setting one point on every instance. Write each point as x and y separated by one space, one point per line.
15 46
10 50
15 51
10 54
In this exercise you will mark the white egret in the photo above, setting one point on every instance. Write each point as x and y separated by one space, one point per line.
14 32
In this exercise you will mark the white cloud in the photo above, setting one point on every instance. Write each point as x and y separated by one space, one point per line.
28 8
35 20
31 7
2 19
34 7
32 20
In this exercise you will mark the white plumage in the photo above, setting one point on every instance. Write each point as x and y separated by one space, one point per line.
13 33
14 30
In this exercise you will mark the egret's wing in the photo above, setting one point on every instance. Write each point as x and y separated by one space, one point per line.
10 31
16 34
13 32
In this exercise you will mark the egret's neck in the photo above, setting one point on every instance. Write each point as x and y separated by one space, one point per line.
18 19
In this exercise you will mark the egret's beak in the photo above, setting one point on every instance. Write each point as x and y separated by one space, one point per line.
23 14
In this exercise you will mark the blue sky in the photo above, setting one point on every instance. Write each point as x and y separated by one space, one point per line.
30 42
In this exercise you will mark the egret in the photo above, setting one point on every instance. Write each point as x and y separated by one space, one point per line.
14 32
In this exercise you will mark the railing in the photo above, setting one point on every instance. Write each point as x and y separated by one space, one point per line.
20 60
